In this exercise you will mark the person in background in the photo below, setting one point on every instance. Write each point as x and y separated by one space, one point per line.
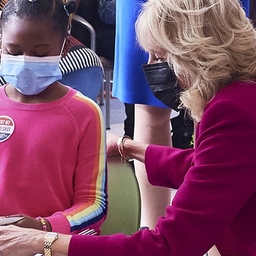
152 117
93 11
210 46
52 138
107 11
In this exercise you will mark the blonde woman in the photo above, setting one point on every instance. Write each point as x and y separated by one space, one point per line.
211 47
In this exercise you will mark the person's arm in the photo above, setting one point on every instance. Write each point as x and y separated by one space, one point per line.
157 159
126 146
89 204
107 11
134 149
167 166
16 241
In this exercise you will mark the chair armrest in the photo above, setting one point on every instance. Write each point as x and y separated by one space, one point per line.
89 27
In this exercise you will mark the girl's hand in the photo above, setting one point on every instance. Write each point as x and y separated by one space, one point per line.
28 222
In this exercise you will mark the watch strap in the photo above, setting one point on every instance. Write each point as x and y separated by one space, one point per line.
47 251
49 239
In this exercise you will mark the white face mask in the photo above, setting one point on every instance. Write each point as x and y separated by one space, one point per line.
30 75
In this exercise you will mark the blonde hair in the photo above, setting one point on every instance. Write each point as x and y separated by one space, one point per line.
209 43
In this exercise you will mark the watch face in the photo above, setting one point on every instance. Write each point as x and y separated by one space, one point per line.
51 235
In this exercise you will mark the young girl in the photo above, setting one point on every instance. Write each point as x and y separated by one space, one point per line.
81 67
52 138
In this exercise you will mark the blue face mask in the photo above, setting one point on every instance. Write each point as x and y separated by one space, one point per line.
30 75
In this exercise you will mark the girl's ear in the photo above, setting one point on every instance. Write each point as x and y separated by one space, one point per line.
66 47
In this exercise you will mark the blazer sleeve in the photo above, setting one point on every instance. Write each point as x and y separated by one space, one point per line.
167 166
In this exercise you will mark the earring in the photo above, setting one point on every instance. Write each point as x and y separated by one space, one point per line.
70 7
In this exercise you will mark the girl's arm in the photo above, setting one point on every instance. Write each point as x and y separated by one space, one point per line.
89 206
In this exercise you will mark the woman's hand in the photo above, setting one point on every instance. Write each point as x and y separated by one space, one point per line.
112 144
17 241
132 149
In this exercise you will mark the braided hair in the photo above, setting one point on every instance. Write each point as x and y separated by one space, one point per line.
56 12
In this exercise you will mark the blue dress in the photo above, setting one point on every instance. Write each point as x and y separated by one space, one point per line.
246 5
129 83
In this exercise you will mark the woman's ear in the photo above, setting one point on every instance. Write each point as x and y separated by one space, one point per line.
66 47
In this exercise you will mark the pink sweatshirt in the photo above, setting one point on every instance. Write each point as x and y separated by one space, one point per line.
53 161
216 198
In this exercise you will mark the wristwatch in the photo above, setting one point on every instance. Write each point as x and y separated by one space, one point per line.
49 239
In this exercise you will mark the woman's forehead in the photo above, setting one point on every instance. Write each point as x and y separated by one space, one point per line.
157 50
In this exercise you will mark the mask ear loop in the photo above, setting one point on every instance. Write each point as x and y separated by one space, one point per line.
70 7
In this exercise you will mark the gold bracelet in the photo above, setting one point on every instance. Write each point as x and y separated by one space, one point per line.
120 147
43 222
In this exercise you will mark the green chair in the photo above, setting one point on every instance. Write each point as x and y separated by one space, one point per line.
124 199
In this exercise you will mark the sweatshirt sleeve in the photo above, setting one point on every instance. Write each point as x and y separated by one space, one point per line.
167 166
215 190
89 206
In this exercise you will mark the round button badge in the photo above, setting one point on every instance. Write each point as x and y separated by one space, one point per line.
6 128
